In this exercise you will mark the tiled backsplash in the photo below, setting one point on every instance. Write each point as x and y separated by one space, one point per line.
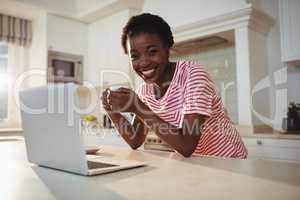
219 60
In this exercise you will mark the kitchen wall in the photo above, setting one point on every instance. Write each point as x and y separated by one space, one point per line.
38 49
85 6
105 52
219 61
69 36
293 84
177 16
178 13
37 57
58 6
99 41
276 94
266 101
51 32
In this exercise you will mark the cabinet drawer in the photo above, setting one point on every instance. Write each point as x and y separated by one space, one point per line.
284 143
273 149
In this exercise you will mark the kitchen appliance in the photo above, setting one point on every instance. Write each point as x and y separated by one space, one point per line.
292 122
153 142
64 67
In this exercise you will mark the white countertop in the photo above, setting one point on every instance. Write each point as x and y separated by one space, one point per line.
167 176
284 136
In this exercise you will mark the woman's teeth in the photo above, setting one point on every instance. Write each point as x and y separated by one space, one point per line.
148 72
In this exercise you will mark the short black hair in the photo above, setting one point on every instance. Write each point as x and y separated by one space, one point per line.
147 23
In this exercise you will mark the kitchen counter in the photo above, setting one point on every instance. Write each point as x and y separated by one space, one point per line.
288 136
167 176
247 132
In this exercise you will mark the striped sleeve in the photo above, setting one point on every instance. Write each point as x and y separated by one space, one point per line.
199 92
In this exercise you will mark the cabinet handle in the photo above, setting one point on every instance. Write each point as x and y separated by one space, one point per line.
259 142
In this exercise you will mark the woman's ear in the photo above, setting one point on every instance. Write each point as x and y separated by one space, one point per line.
168 51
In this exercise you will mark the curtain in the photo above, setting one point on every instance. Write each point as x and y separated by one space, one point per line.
15 30
18 62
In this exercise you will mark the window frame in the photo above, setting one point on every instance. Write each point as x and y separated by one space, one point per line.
3 81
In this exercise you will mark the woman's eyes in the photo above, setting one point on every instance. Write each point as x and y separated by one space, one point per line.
151 52
133 57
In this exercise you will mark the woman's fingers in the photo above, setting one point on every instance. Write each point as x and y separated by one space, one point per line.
105 104
105 93
119 100
105 99
124 90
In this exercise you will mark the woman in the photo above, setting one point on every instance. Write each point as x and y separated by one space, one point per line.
177 100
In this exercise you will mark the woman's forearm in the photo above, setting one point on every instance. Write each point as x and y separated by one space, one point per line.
184 140
134 134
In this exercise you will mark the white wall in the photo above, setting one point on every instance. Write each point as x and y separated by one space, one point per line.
177 12
16 9
105 51
36 59
55 33
84 5
278 97
65 7
293 84
38 50
100 41
265 102
187 12
261 99
58 34
67 35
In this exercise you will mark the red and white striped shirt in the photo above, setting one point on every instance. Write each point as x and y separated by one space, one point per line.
192 91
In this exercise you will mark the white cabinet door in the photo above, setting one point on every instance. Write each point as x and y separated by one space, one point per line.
273 149
290 29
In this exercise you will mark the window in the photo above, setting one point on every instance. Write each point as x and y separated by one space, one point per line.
3 80
218 57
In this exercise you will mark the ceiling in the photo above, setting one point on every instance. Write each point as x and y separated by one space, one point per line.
83 10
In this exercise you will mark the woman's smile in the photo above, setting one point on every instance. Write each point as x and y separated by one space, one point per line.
148 73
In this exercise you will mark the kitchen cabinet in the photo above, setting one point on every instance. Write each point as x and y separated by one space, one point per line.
273 149
259 148
290 30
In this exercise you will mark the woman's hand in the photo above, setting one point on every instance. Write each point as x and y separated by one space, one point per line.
104 99
120 100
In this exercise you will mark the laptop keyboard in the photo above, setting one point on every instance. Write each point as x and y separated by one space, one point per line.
97 165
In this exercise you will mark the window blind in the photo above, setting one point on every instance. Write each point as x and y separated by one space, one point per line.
15 30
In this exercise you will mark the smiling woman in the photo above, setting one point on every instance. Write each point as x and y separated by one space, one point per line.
178 100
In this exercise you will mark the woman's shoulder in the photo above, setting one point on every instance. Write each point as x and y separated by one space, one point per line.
144 90
190 67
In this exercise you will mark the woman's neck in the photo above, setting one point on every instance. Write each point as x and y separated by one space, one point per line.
162 86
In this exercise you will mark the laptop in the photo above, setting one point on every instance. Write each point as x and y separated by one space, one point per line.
53 133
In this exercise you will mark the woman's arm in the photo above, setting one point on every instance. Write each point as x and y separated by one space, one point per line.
134 134
184 140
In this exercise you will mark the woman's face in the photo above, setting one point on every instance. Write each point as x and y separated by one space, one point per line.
149 56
